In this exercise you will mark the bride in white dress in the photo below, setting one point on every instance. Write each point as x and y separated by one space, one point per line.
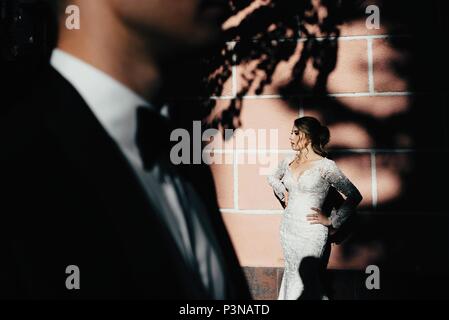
301 183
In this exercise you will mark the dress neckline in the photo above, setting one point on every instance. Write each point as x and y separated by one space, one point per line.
308 169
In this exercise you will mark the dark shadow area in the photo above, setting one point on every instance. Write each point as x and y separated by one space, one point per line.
27 36
310 272
410 229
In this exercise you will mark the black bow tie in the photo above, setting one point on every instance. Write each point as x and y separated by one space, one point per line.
153 136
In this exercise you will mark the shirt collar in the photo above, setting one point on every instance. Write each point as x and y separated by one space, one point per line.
114 104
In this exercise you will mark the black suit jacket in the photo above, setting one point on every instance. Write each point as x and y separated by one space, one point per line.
69 197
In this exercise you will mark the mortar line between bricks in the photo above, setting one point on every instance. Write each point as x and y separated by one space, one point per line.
344 151
301 112
336 95
267 212
236 180
234 82
374 194
339 38
370 67
273 212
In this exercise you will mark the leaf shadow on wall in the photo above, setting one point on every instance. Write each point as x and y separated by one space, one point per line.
411 140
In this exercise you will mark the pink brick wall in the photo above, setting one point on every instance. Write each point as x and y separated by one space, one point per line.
366 92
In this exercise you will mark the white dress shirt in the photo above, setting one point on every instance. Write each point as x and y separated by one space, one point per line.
115 107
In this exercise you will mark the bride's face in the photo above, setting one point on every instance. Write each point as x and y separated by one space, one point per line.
298 139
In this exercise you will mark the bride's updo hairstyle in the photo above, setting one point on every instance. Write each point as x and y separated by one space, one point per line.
317 134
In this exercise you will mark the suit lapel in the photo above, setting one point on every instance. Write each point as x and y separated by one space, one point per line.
98 157
200 181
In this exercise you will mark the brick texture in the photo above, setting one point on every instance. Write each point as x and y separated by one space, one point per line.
387 113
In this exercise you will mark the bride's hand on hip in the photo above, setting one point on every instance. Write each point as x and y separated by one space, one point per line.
318 217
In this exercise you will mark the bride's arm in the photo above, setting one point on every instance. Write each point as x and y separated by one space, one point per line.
342 184
275 182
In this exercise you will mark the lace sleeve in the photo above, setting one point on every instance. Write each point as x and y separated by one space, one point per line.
275 182
335 177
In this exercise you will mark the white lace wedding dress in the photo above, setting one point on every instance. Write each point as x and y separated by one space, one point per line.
299 238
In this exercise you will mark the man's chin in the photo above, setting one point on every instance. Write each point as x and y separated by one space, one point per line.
212 38
215 11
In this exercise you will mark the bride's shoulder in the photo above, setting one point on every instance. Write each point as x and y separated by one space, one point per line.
328 161
328 164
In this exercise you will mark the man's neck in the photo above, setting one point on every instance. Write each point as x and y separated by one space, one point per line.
119 53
